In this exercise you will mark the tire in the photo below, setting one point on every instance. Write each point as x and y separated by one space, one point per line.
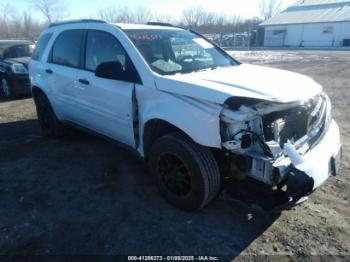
6 88
186 174
49 123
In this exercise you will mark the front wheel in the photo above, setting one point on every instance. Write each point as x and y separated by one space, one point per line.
6 87
186 173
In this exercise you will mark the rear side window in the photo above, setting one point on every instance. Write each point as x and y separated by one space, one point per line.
41 46
103 47
66 50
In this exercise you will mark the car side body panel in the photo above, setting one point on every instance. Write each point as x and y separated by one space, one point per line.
198 120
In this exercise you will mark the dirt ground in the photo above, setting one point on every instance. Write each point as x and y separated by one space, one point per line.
85 196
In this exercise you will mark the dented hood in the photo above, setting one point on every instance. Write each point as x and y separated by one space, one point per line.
241 81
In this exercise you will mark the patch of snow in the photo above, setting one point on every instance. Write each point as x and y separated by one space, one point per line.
274 56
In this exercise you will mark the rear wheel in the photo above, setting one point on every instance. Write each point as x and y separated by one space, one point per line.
48 121
186 173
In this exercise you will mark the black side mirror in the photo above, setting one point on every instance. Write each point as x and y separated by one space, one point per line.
111 70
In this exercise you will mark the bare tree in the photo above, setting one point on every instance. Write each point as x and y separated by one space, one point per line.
269 8
193 16
7 11
52 10
142 15
30 29
162 18
109 14
14 25
8 15
117 15
125 15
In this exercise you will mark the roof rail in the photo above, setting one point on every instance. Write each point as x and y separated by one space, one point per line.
160 24
166 24
77 21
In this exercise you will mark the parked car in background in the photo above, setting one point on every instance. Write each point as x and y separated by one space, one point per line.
14 58
195 114
237 40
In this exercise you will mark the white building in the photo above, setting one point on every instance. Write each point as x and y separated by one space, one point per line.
310 23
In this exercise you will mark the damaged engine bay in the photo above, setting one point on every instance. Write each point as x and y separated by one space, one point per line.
267 140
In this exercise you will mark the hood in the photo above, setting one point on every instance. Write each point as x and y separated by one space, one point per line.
19 60
241 81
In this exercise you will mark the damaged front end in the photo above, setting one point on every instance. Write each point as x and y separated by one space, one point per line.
294 145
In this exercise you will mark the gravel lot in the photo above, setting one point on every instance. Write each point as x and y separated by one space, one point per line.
84 196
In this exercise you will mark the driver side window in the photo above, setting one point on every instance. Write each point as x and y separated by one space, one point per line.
102 47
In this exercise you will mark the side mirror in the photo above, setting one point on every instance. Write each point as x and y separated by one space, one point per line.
111 70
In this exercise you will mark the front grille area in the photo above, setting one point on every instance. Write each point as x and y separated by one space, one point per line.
22 82
293 124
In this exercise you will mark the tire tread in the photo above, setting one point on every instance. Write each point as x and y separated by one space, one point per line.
207 163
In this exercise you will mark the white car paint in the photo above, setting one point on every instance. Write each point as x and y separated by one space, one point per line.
105 106
316 163
194 103
243 81
197 119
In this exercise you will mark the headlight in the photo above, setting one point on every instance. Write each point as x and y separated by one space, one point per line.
19 69
329 111
329 104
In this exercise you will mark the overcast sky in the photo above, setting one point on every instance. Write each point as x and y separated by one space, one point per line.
89 8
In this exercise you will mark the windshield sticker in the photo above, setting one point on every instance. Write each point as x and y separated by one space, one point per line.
203 43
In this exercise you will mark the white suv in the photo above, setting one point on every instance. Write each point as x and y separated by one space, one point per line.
193 112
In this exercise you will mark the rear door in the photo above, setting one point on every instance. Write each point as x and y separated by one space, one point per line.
61 71
106 106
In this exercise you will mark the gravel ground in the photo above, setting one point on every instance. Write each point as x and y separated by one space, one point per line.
84 196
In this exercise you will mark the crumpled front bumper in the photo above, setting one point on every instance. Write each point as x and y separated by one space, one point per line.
322 161
304 174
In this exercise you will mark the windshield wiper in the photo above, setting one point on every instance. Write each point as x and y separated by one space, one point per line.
191 70
205 69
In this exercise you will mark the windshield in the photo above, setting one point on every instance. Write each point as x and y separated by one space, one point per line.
178 51
12 50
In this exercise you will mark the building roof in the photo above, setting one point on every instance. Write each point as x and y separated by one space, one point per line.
312 11
318 2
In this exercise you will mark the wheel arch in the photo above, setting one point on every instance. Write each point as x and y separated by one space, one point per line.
156 128
36 91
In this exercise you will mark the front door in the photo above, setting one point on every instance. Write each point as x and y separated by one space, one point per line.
106 106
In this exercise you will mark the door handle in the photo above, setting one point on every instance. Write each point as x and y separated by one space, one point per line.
49 71
84 81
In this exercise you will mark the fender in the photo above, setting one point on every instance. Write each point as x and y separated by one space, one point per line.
36 77
36 80
201 121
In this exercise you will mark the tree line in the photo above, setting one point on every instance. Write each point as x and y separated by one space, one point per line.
22 25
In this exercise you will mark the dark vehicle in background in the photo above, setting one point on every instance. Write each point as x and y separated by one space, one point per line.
234 40
14 58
